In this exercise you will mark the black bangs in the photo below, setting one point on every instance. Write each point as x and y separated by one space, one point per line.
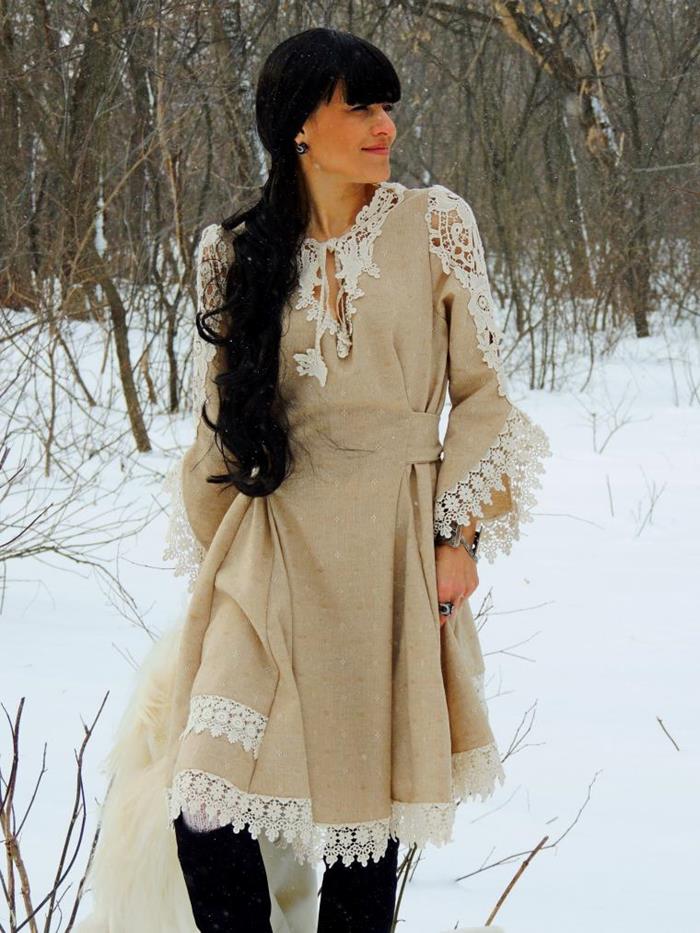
367 74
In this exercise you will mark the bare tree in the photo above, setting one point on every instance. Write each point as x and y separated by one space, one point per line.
22 903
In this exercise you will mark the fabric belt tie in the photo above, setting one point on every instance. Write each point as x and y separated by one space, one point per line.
398 436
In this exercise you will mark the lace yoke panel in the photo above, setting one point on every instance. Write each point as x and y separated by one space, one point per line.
353 256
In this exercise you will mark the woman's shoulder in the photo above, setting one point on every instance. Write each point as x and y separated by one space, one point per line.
434 209
214 256
218 238
215 253
437 198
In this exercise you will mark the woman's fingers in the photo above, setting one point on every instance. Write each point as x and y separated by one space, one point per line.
456 603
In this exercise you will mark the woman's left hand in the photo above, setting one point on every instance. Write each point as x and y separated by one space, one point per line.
457 576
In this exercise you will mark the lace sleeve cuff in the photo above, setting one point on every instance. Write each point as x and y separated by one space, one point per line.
181 545
516 455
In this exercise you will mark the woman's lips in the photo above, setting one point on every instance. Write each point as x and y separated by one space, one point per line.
378 150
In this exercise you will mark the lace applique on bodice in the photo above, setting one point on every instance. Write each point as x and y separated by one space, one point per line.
352 252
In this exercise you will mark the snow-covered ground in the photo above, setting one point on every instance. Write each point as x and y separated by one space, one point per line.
591 644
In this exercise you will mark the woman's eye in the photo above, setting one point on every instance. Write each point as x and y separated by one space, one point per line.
387 107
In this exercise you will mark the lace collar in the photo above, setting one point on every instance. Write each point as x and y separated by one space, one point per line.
375 206
353 256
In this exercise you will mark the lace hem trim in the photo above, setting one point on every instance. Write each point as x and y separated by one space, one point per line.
221 716
518 452
207 800
181 545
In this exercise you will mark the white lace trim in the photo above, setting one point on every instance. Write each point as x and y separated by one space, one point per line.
202 354
213 258
181 545
353 256
518 451
521 445
456 241
222 716
208 801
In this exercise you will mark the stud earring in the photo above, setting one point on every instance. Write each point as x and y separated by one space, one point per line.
301 147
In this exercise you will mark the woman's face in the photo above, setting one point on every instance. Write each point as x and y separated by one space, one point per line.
340 136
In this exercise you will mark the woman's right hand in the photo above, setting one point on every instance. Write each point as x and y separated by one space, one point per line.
457 576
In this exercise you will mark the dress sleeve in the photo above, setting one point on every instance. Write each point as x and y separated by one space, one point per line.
492 451
196 506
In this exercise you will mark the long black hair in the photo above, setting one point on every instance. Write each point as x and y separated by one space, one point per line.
251 429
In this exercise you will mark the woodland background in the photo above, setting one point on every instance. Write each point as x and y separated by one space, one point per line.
125 127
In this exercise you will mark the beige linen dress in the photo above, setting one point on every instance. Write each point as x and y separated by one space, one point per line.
318 699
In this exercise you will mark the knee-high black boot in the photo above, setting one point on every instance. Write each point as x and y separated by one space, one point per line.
226 880
359 897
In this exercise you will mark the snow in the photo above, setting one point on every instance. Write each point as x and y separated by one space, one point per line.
591 639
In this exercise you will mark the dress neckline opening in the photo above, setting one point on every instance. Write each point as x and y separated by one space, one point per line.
362 215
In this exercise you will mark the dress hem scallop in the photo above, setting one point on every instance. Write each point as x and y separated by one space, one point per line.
289 821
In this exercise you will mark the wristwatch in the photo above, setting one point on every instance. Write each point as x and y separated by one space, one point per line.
456 539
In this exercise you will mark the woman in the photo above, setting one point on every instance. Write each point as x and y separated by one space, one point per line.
328 689
321 695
